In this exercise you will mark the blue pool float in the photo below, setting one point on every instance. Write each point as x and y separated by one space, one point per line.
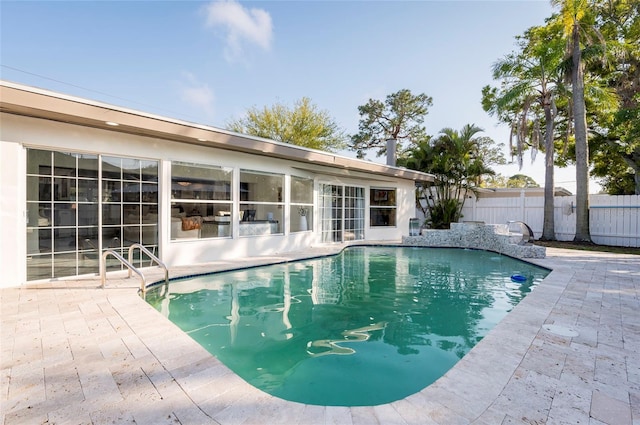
518 278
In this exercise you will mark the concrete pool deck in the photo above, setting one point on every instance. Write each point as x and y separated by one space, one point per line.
74 353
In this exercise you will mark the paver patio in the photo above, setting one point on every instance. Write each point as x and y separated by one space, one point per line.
569 353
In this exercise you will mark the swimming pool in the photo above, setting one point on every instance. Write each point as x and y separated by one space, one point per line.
368 326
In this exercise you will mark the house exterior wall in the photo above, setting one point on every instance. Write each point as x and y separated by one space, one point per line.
19 133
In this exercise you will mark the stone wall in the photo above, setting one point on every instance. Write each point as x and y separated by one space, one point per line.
491 237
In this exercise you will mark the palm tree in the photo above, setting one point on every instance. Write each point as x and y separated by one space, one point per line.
458 159
531 81
572 14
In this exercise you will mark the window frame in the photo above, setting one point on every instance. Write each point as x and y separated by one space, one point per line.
260 209
386 198
296 207
213 206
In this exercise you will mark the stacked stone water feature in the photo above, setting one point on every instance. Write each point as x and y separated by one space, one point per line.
491 237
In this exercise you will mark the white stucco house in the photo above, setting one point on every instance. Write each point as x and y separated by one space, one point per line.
79 177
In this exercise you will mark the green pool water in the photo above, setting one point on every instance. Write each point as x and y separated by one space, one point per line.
368 326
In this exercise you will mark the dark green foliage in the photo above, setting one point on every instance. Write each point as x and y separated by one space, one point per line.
458 160
399 117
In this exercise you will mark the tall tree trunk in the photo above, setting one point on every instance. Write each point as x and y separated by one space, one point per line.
582 147
549 223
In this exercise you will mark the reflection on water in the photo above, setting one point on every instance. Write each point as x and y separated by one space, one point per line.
324 347
368 326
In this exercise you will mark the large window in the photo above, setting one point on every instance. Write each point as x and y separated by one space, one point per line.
201 202
79 204
301 206
261 203
382 207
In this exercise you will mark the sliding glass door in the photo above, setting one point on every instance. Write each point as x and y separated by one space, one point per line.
79 204
341 213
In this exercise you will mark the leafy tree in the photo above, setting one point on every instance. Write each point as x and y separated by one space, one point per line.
458 159
529 90
399 117
494 181
303 125
521 180
617 135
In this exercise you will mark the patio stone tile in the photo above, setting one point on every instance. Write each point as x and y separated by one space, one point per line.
193 416
587 333
133 410
278 411
136 347
574 376
610 410
337 415
52 326
236 396
27 349
490 416
112 416
364 415
210 390
77 326
312 415
412 414
387 414
134 385
610 366
69 415
632 361
620 392
24 416
5 379
114 350
55 350
634 398
62 385
528 396
544 359
199 361
435 411
510 420
120 327
200 378
608 335
571 404
26 388
460 394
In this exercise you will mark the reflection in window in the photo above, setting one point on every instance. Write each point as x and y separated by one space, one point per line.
382 207
341 213
353 213
261 203
301 207
129 207
200 201
66 195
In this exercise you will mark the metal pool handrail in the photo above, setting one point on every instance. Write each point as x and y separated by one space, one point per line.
153 258
103 268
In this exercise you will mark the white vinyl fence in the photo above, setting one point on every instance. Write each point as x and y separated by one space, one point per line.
614 220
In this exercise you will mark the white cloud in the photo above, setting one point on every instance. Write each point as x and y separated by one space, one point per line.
197 94
242 26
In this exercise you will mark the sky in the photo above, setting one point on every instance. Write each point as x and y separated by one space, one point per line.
208 62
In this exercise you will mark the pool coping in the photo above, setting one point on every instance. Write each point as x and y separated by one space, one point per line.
130 363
